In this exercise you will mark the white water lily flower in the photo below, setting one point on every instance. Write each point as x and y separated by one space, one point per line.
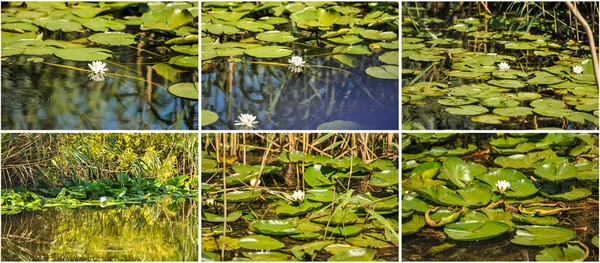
209 201
502 186
296 64
102 199
298 196
578 69
503 66
246 120
98 69
255 182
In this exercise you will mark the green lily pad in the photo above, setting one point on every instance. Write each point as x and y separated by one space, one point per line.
58 24
310 249
499 102
413 225
83 54
209 117
560 253
556 171
302 209
507 83
390 57
185 61
548 103
276 36
453 101
254 26
489 119
231 217
467 110
260 242
536 220
185 90
168 72
340 125
384 72
520 185
345 231
385 178
240 196
341 217
475 230
268 52
475 194
346 40
542 235
187 49
458 171
513 111
323 195
355 254
274 227
265 256
573 194
314 177
103 25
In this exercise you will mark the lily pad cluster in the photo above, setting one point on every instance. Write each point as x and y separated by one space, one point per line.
99 193
497 89
322 221
499 187
346 32
34 30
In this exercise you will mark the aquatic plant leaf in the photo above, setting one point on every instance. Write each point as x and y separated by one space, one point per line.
59 24
229 16
208 117
556 171
240 196
19 27
260 242
458 171
102 25
253 26
345 231
548 103
476 194
327 16
489 119
467 110
88 11
383 72
445 216
542 235
314 177
560 253
300 251
340 125
475 230
306 236
268 52
499 102
536 220
185 61
573 194
11 51
513 111
340 217
274 227
219 29
187 49
302 209
346 39
553 112
273 20
355 254
385 178
323 195
595 241
346 60
378 35
83 54
276 36
186 90
517 161
520 185
231 217
167 71
507 83
454 101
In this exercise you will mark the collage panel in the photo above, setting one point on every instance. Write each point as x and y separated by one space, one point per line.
300 65
500 65
99 197
99 65
500 196
299 197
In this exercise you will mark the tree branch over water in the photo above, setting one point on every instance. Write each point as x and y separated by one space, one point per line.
590 35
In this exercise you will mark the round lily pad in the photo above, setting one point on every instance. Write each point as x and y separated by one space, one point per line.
274 227
354 254
83 54
499 102
268 52
507 83
209 117
542 235
260 242
489 119
560 253
475 230
513 111
276 36
390 57
467 110
384 72
185 90
548 103
452 101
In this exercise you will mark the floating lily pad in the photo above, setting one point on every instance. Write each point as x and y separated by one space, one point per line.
274 227
467 110
555 171
384 72
83 54
340 125
560 253
341 217
302 209
240 196
346 40
475 230
324 195
345 231
513 111
275 36
264 256
208 117
355 254
390 57
259 242
542 235
506 83
231 217
489 119
268 52
185 61
185 90
453 101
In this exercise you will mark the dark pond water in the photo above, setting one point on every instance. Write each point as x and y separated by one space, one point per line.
147 232
285 100
38 96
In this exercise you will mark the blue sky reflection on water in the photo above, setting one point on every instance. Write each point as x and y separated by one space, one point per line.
44 97
283 100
